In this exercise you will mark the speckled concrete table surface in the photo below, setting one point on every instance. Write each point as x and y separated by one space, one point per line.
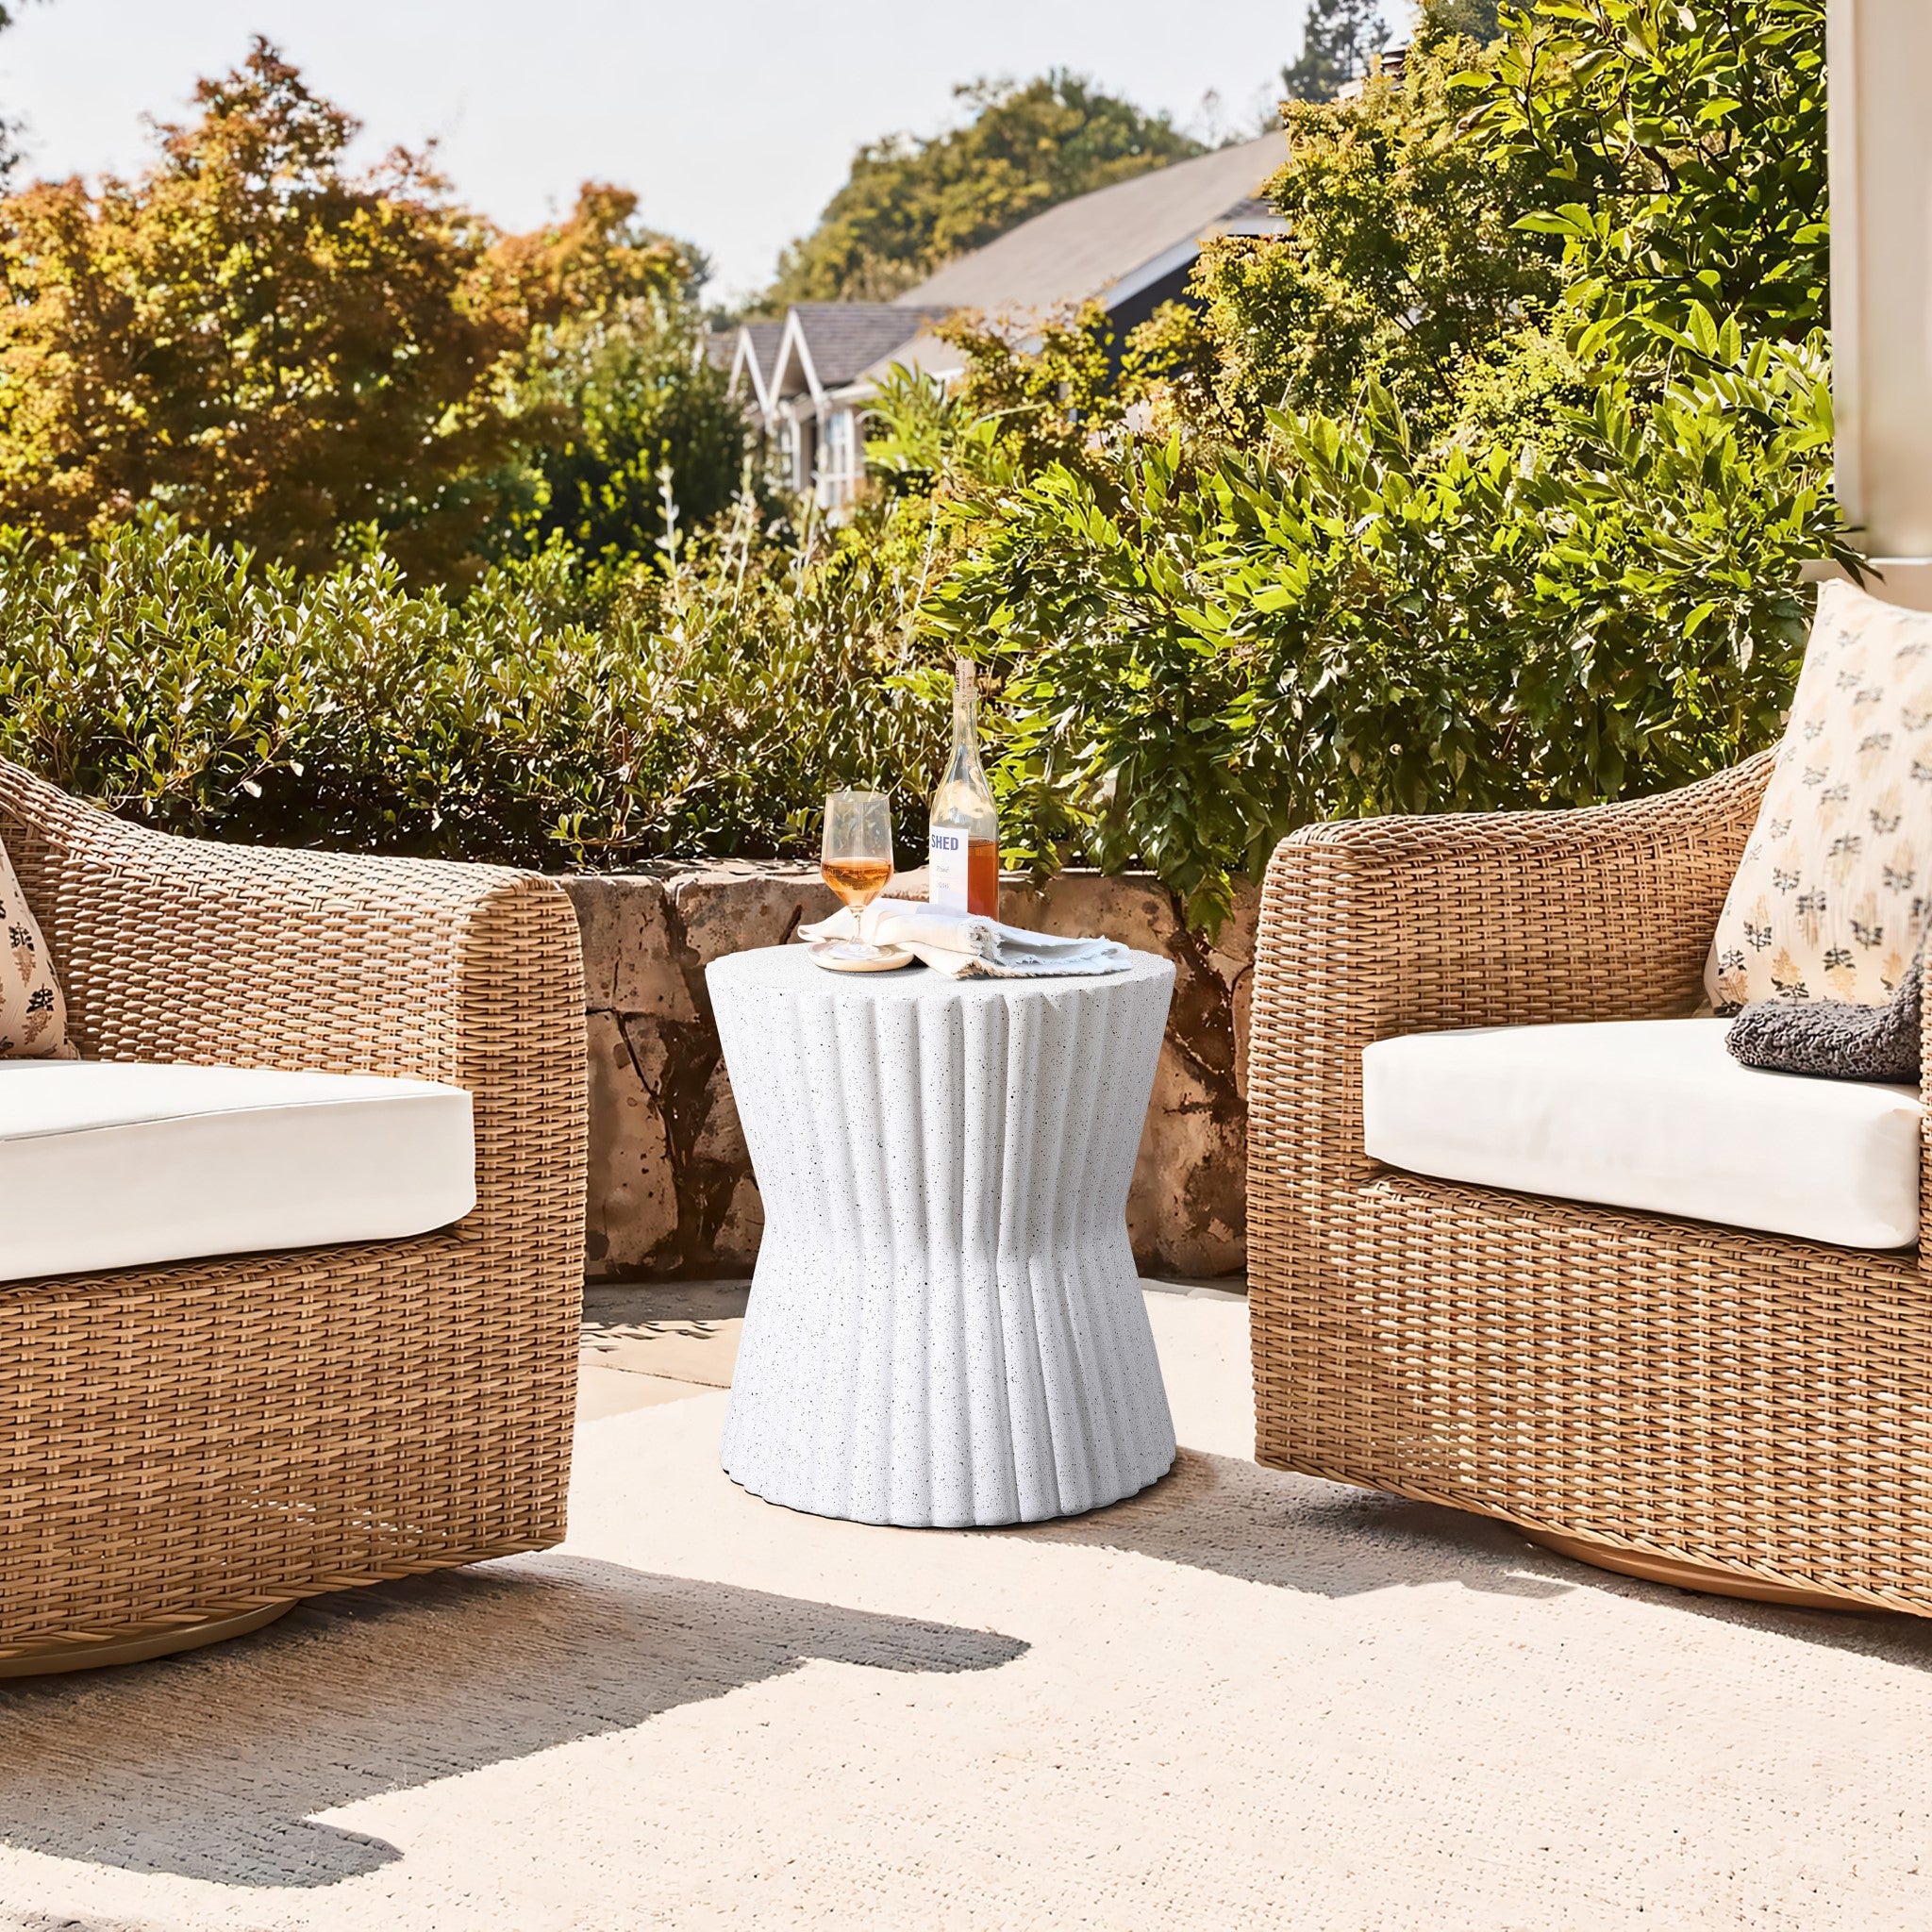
944 1326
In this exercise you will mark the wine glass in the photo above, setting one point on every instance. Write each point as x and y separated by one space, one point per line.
856 860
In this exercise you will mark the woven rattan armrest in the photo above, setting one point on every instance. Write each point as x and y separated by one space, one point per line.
1392 926
188 1444
183 949
1697 1401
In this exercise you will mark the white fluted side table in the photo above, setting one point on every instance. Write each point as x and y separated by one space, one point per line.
945 1326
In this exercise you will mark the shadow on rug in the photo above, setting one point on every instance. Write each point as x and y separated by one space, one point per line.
209 1765
1217 1513
1236 1519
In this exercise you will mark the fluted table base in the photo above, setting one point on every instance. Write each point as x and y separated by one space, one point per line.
946 1325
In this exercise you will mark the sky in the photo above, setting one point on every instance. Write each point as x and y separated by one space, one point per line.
734 120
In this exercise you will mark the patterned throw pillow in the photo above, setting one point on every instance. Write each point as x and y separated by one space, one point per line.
1835 887
33 1016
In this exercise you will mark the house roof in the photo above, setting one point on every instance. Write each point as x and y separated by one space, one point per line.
1110 244
1113 242
827 343
753 350
924 354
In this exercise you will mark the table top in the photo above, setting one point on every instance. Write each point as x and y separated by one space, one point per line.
792 969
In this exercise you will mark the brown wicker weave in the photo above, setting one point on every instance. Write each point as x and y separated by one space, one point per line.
189 1443
1656 1388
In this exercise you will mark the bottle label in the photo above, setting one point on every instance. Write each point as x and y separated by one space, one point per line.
947 872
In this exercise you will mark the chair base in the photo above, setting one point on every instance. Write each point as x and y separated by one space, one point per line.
1704 1578
53 1658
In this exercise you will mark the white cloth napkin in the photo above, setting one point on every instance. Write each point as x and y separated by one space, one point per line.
970 946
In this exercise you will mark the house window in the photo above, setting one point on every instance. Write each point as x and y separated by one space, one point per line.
841 466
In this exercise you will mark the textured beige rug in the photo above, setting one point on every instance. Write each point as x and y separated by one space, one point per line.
1241 1700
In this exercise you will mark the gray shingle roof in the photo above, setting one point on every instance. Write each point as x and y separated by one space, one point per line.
1083 247
921 354
846 337
764 337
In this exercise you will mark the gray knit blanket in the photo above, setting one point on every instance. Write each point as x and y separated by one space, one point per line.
1835 1039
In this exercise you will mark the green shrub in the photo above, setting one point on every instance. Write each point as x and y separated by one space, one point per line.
1529 535
1335 624
1482 498
1679 153
202 690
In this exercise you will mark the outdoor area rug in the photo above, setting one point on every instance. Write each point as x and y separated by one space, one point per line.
1241 1699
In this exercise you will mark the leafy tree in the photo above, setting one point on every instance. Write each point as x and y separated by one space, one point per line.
595 262
912 201
274 348
624 417
1405 258
1679 152
1608 167
1476 20
1338 36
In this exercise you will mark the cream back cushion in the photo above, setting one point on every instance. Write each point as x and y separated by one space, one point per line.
1836 883
33 1016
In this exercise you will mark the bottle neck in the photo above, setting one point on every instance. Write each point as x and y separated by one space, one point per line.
965 718
965 701
964 802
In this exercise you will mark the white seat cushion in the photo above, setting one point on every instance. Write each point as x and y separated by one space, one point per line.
1650 1114
110 1166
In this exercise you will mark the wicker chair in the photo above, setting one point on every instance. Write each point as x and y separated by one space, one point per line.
1696 1403
190 1449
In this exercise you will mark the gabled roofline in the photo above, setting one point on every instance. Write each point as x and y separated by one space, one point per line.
792 342
746 357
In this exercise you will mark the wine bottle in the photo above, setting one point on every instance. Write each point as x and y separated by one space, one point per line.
965 852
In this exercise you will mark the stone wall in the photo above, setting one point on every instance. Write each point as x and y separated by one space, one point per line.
672 1195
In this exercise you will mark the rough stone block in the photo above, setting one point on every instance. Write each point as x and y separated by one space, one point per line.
1187 1213
671 1193
632 1208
